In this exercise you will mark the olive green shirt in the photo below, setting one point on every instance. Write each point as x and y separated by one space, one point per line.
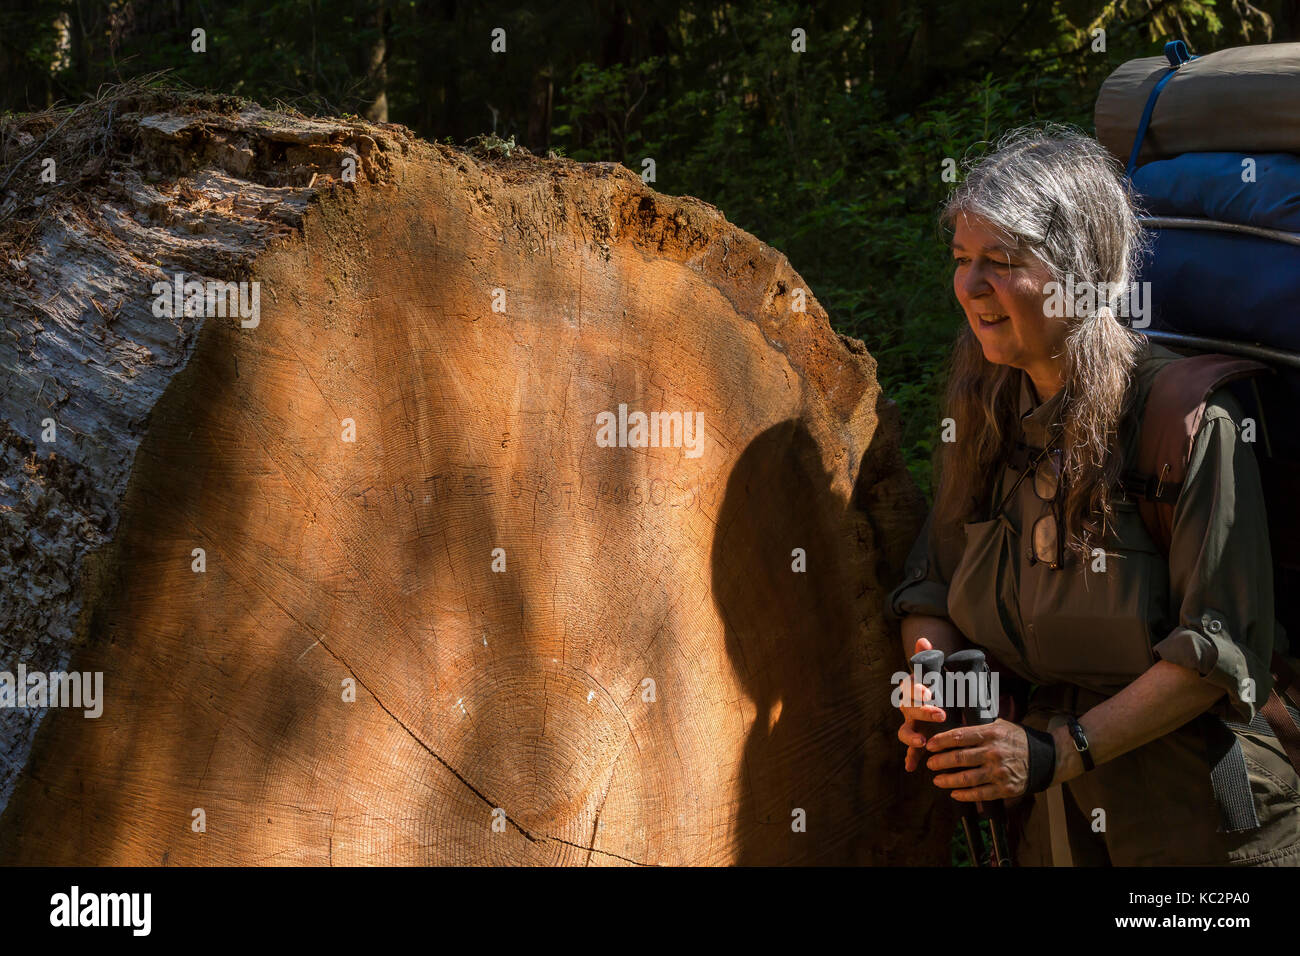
1209 607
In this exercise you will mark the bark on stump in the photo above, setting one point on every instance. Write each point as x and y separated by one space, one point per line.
649 679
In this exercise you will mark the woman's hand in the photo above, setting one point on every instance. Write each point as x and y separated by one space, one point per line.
915 711
988 762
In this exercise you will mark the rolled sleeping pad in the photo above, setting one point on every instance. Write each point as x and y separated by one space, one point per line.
1243 99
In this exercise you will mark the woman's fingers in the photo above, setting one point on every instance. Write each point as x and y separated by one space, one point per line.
928 715
978 763
916 710
912 733
915 694
913 758
972 777
960 759
914 706
964 737
914 702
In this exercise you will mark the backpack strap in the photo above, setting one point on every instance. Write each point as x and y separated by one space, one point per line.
1174 409
1177 54
1279 716
1170 420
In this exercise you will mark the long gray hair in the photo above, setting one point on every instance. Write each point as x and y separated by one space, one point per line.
1060 197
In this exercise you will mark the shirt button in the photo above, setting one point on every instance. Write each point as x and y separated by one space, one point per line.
917 572
1214 626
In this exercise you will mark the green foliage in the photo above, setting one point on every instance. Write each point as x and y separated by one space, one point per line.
600 109
493 145
958 849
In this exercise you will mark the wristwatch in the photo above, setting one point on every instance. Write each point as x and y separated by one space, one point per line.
1080 743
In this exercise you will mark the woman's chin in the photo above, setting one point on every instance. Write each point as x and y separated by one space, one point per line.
995 355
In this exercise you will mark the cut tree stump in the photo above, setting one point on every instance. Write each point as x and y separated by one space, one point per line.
363 578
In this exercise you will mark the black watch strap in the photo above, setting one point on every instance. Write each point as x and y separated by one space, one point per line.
1081 743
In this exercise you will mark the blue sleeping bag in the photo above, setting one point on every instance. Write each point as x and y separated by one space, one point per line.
1209 186
1222 284
1225 285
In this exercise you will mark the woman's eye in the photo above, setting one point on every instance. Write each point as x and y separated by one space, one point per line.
961 260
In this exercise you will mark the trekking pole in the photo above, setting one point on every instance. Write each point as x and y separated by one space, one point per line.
931 662
973 662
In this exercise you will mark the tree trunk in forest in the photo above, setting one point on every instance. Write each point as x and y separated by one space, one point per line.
364 578
541 100
377 69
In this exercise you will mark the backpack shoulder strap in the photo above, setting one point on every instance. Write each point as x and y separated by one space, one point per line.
1170 420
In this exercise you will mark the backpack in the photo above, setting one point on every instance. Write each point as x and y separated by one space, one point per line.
1212 150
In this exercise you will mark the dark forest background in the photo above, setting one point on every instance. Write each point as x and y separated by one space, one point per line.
833 155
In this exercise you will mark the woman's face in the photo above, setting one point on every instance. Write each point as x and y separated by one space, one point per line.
1002 293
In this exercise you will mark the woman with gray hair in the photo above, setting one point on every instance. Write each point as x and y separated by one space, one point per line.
1132 661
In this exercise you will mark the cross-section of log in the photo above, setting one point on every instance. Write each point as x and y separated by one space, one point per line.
501 510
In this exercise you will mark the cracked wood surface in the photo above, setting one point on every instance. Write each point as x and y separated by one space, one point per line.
196 192
477 691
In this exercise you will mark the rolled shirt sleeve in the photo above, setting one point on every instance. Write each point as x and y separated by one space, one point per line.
927 571
1220 567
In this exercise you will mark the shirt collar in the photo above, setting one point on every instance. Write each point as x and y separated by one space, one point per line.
1037 420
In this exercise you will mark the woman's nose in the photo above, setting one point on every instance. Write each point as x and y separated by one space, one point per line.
974 283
